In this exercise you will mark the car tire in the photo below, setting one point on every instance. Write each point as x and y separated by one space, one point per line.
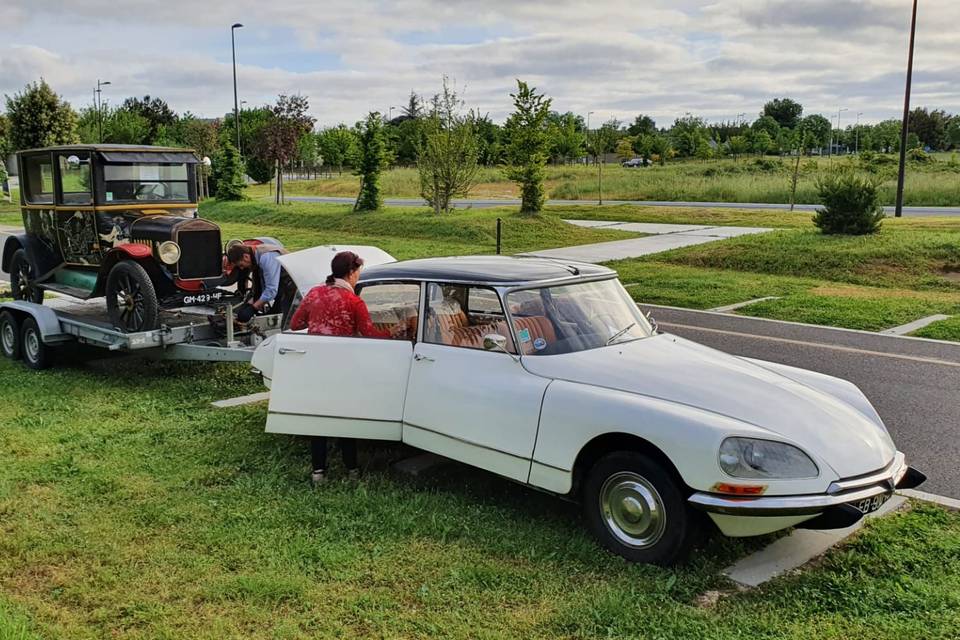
9 335
636 509
22 285
131 298
36 354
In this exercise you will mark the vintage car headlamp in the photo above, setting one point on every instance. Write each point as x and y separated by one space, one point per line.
755 458
169 252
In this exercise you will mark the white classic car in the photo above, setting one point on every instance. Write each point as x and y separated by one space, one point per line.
547 373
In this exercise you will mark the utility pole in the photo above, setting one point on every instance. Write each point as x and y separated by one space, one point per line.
830 149
98 104
589 113
857 128
906 116
236 104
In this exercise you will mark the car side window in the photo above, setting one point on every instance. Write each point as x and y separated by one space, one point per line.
76 186
460 316
393 304
38 179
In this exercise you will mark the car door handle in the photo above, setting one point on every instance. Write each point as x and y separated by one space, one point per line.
283 350
420 357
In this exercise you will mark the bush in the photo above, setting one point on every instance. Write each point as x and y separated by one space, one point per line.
919 156
851 204
228 174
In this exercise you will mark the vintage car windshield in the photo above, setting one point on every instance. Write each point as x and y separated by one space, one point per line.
146 182
575 317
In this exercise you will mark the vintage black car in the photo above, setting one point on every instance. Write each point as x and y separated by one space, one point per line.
118 221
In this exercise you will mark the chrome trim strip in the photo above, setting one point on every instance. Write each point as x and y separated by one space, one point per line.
895 466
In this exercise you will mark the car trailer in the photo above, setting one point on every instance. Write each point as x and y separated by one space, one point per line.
34 332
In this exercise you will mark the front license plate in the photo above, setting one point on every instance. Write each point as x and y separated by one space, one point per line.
869 505
206 297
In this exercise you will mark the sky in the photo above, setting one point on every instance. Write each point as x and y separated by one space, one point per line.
616 58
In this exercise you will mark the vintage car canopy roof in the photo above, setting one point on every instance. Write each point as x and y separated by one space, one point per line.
485 269
126 152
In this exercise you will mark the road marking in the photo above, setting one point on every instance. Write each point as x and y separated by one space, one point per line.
804 343
738 305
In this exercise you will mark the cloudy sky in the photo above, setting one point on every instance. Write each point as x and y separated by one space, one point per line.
615 58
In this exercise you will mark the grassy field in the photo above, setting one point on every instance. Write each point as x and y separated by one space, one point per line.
129 508
746 180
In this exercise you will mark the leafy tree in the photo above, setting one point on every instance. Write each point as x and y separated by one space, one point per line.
760 142
155 111
122 126
447 157
642 125
308 152
851 204
490 146
529 145
704 151
953 132
566 136
414 108
604 139
768 124
885 136
662 147
338 146
624 149
818 129
643 146
723 131
228 173
372 159
737 146
252 121
930 127
40 118
6 146
277 142
784 111
687 133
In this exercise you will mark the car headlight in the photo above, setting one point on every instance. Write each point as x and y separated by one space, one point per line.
169 252
754 458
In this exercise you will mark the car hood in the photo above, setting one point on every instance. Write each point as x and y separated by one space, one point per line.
310 267
677 370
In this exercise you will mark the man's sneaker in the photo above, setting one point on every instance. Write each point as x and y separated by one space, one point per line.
353 474
318 477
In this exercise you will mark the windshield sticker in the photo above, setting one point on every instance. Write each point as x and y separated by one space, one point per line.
539 344
109 196
524 335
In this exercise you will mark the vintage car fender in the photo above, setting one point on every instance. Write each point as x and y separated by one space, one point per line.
574 414
263 359
134 250
41 258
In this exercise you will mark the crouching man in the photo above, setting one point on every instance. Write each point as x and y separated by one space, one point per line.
272 288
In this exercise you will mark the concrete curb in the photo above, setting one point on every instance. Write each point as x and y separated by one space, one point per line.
241 400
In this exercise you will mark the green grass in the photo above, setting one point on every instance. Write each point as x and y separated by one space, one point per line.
132 509
723 180
948 329
10 211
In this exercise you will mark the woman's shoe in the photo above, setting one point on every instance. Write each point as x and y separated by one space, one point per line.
318 477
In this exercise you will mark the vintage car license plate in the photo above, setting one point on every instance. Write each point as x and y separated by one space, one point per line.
869 505
203 298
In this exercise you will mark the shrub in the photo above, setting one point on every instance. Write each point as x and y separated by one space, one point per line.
851 204
228 174
920 156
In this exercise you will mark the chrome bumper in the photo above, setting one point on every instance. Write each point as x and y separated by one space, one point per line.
851 491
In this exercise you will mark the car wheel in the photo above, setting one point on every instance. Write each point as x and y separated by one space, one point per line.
22 284
9 335
636 509
131 298
36 354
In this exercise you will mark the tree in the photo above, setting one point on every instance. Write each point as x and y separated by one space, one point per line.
643 146
228 174
768 124
642 125
851 204
930 127
40 118
785 111
252 121
818 130
122 126
737 146
338 146
885 136
414 108
490 146
953 132
155 111
624 149
760 142
566 136
308 152
529 145
687 133
277 142
6 145
372 158
447 157
662 148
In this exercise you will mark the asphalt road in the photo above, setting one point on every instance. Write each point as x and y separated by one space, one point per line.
913 383
480 203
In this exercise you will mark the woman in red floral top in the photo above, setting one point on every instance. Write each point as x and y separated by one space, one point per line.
333 309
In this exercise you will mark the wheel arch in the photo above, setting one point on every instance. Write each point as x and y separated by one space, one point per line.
10 246
120 253
612 442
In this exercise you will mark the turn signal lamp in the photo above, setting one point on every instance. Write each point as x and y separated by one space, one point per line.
739 489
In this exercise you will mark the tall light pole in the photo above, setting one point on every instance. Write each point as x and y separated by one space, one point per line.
98 103
906 116
239 150
589 113
830 150
856 149
236 105
740 115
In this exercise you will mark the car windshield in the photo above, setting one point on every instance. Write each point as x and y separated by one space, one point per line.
575 317
146 182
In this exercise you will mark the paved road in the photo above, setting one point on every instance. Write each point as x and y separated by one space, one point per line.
913 383
480 203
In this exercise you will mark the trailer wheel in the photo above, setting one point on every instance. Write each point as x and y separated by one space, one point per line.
22 284
36 354
9 335
131 298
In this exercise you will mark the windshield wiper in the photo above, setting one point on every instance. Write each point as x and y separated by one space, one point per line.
620 333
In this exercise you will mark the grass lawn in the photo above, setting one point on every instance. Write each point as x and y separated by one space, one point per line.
130 508
10 211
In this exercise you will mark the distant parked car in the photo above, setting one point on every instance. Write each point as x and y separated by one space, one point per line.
635 162
546 372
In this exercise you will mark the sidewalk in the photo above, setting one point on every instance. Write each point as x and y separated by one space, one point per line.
663 237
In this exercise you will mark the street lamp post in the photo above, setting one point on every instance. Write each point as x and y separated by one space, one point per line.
901 174
589 113
236 105
830 150
98 103
856 149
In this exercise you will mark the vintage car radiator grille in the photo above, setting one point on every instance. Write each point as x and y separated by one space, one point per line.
200 254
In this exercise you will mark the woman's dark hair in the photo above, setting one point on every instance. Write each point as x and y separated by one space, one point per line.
343 264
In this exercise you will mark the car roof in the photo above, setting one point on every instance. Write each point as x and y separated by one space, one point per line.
143 148
486 270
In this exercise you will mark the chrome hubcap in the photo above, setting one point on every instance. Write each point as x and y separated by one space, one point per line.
632 510
31 344
9 337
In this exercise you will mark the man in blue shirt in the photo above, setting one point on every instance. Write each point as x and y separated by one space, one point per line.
270 287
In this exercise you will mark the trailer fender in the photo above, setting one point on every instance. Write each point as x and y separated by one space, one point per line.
45 317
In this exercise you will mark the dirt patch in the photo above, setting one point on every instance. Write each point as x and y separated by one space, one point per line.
852 291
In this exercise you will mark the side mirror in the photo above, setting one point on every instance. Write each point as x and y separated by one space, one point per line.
653 322
494 342
73 162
